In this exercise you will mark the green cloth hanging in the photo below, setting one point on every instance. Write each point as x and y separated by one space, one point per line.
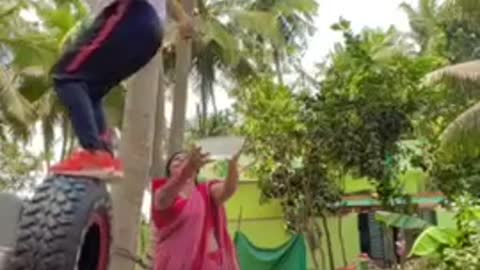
291 255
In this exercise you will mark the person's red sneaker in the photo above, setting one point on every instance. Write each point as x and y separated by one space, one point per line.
98 163
118 165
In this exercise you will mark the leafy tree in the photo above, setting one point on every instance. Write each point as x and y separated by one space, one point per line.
447 28
455 158
425 25
452 117
288 160
368 103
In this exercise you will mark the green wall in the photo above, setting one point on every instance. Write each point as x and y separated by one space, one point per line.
445 218
351 241
247 202
263 224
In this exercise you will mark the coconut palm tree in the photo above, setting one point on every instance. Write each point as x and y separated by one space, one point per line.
239 39
460 138
447 28
425 23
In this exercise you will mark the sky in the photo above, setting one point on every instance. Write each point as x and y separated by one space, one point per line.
361 13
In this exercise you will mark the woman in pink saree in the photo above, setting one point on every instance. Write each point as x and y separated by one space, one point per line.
190 225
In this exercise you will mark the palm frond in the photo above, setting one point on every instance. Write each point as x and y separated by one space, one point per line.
218 33
13 104
8 11
468 71
259 22
460 138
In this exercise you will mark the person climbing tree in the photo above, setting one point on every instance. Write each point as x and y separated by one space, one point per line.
124 37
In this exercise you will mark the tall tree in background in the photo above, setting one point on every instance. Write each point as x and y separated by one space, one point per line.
236 40
183 48
448 28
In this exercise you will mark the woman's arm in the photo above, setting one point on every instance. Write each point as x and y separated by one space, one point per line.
223 191
164 197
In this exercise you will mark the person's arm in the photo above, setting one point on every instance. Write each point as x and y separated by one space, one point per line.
223 191
165 197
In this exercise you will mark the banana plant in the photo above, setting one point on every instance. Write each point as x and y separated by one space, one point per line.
433 239
401 221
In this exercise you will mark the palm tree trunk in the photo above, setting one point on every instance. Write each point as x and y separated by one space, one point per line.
71 143
278 66
136 153
180 95
159 137
65 137
158 154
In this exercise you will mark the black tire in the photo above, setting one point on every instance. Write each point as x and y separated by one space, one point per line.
65 226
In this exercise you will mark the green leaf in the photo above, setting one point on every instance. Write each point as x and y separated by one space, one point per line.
12 102
401 221
262 23
217 32
432 240
61 18
460 139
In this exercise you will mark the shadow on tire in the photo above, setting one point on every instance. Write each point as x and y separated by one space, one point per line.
65 226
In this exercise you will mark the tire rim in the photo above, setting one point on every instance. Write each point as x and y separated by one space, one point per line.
104 237
96 238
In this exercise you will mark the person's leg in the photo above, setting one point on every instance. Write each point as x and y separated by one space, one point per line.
92 159
74 95
97 95
112 49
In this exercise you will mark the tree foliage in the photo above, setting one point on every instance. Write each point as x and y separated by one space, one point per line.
368 103
288 162
17 166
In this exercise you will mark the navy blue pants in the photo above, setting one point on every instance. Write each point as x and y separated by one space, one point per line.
121 40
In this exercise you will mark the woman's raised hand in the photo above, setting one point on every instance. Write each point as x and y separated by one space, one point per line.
197 159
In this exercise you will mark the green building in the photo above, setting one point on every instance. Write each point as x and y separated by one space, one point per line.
263 225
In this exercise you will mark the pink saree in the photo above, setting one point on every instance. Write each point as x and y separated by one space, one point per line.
192 233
